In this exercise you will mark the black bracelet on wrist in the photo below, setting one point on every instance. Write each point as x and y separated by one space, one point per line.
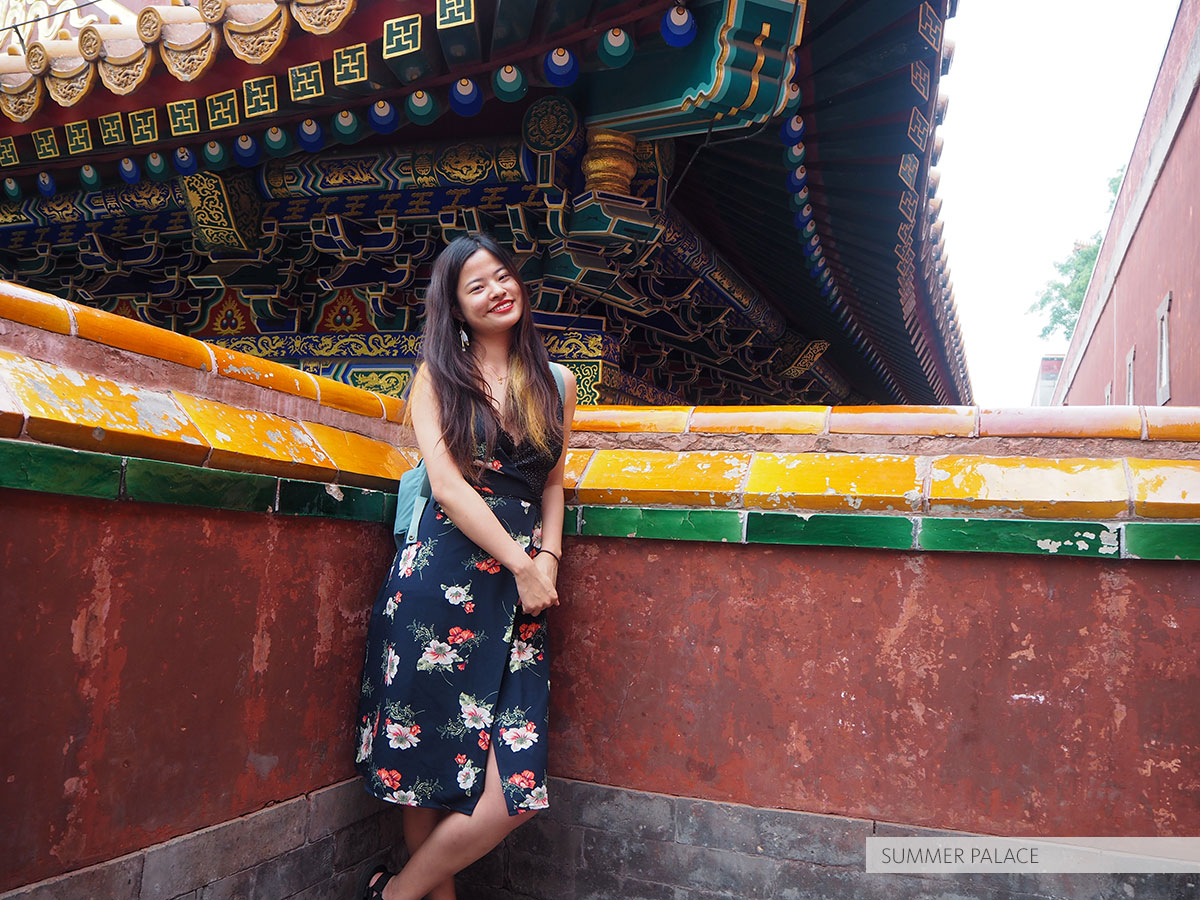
552 553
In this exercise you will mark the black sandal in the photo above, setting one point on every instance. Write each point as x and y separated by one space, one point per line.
369 891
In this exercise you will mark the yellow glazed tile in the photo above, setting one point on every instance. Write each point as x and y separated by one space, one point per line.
660 419
1061 421
30 307
140 337
1173 423
73 409
265 373
1045 488
336 395
958 421
11 415
248 441
360 460
573 468
839 481
637 477
1167 489
393 408
758 419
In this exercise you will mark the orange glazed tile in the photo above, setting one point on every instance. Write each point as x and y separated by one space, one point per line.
1061 421
637 477
249 441
573 468
264 372
1173 423
11 416
393 408
1035 486
931 420
360 460
30 307
336 395
661 419
72 409
1167 489
758 419
140 337
841 481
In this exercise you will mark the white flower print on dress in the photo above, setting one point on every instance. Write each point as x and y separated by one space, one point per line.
457 594
537 535
393 603
365 737
520 654
475 715
438 653
402 737
538 798
405 564
391 664
520 738
404 798
466 778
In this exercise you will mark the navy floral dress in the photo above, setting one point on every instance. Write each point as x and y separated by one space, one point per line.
453 666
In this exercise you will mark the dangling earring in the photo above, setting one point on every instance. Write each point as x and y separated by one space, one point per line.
463 339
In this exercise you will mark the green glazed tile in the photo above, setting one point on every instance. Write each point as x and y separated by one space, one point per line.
163 482
57 470
1048 538
316 498
1162 540
889 532
666 524
571 520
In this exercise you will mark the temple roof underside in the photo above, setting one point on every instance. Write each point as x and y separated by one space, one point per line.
725 202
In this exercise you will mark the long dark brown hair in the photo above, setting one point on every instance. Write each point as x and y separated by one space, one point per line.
530 404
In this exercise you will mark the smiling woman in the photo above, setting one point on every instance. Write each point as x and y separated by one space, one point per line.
455 688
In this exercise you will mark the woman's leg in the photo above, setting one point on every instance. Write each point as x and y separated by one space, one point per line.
457 841
419 823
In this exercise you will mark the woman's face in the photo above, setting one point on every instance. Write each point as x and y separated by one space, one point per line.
489 295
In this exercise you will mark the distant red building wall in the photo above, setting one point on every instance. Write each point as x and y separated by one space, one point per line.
169 668
1161 255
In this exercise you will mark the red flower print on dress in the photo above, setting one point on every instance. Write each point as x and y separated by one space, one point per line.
390 777
488 565
469 606
458 635
486 490
526 779
496 465
461 758
529 629
485 740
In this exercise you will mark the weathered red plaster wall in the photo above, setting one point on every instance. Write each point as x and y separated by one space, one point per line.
1162 255
167 668
1000 694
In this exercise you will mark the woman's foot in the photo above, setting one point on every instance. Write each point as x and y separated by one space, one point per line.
372 882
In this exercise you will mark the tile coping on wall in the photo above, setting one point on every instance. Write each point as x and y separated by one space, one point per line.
25 465
1148 423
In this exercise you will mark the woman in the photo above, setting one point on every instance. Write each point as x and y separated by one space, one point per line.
452 714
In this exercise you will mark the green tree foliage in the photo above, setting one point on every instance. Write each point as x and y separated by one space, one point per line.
1063 297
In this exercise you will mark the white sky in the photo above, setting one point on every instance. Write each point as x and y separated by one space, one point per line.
1046 98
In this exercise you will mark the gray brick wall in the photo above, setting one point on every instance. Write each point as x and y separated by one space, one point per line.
594 843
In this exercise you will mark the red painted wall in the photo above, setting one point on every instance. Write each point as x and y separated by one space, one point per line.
1000 694
1162 256
168 668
